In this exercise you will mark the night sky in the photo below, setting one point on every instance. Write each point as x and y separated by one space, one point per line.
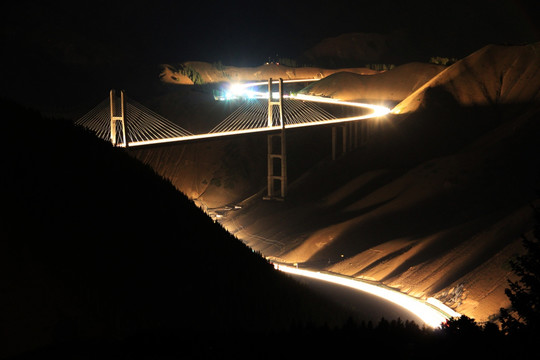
55 44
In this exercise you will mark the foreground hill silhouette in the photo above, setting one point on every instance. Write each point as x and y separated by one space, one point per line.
99 253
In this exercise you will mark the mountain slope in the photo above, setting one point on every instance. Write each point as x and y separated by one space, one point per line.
392 86
490 76
437 201
99 252
361 48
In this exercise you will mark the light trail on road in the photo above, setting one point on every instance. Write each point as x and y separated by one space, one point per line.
378 110
241 89
431 311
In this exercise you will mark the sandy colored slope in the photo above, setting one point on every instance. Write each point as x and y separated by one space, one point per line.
434 204
443 228
210 74
490 76
392 85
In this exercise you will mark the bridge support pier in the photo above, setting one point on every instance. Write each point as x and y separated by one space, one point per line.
277 167
277 149
353 135
118 115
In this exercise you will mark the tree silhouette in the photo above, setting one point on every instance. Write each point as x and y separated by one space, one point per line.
463 327
524 316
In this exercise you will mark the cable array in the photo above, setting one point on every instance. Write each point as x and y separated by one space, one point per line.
253 114
142 124
145 127
98 120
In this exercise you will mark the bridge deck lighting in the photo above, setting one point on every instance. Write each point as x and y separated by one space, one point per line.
170 132
378 110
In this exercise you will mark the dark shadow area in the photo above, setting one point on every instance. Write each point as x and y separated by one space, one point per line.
98 248
494 172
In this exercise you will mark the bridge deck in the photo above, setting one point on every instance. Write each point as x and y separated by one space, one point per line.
145 127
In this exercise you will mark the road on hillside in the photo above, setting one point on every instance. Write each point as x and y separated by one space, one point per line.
368 307
388 303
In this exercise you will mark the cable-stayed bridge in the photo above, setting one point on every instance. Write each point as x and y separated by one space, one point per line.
145 127
126 123
141 125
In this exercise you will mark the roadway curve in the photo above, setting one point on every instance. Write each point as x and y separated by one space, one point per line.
377 111
376 301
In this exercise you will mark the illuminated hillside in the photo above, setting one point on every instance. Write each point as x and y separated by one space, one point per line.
435 204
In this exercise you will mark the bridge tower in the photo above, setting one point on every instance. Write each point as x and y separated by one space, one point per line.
277 150
118 116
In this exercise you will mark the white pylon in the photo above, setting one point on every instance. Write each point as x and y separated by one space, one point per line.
282 155
118 117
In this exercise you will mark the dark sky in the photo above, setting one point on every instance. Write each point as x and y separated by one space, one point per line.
112 40
243 31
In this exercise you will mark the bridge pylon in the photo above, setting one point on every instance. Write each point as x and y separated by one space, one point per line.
277 150
118 115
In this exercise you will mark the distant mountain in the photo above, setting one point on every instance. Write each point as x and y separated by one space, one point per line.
359 49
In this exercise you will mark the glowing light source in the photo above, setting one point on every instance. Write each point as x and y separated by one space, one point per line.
236 88
432 311
245 90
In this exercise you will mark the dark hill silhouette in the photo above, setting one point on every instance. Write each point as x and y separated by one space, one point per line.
351 49
98 251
